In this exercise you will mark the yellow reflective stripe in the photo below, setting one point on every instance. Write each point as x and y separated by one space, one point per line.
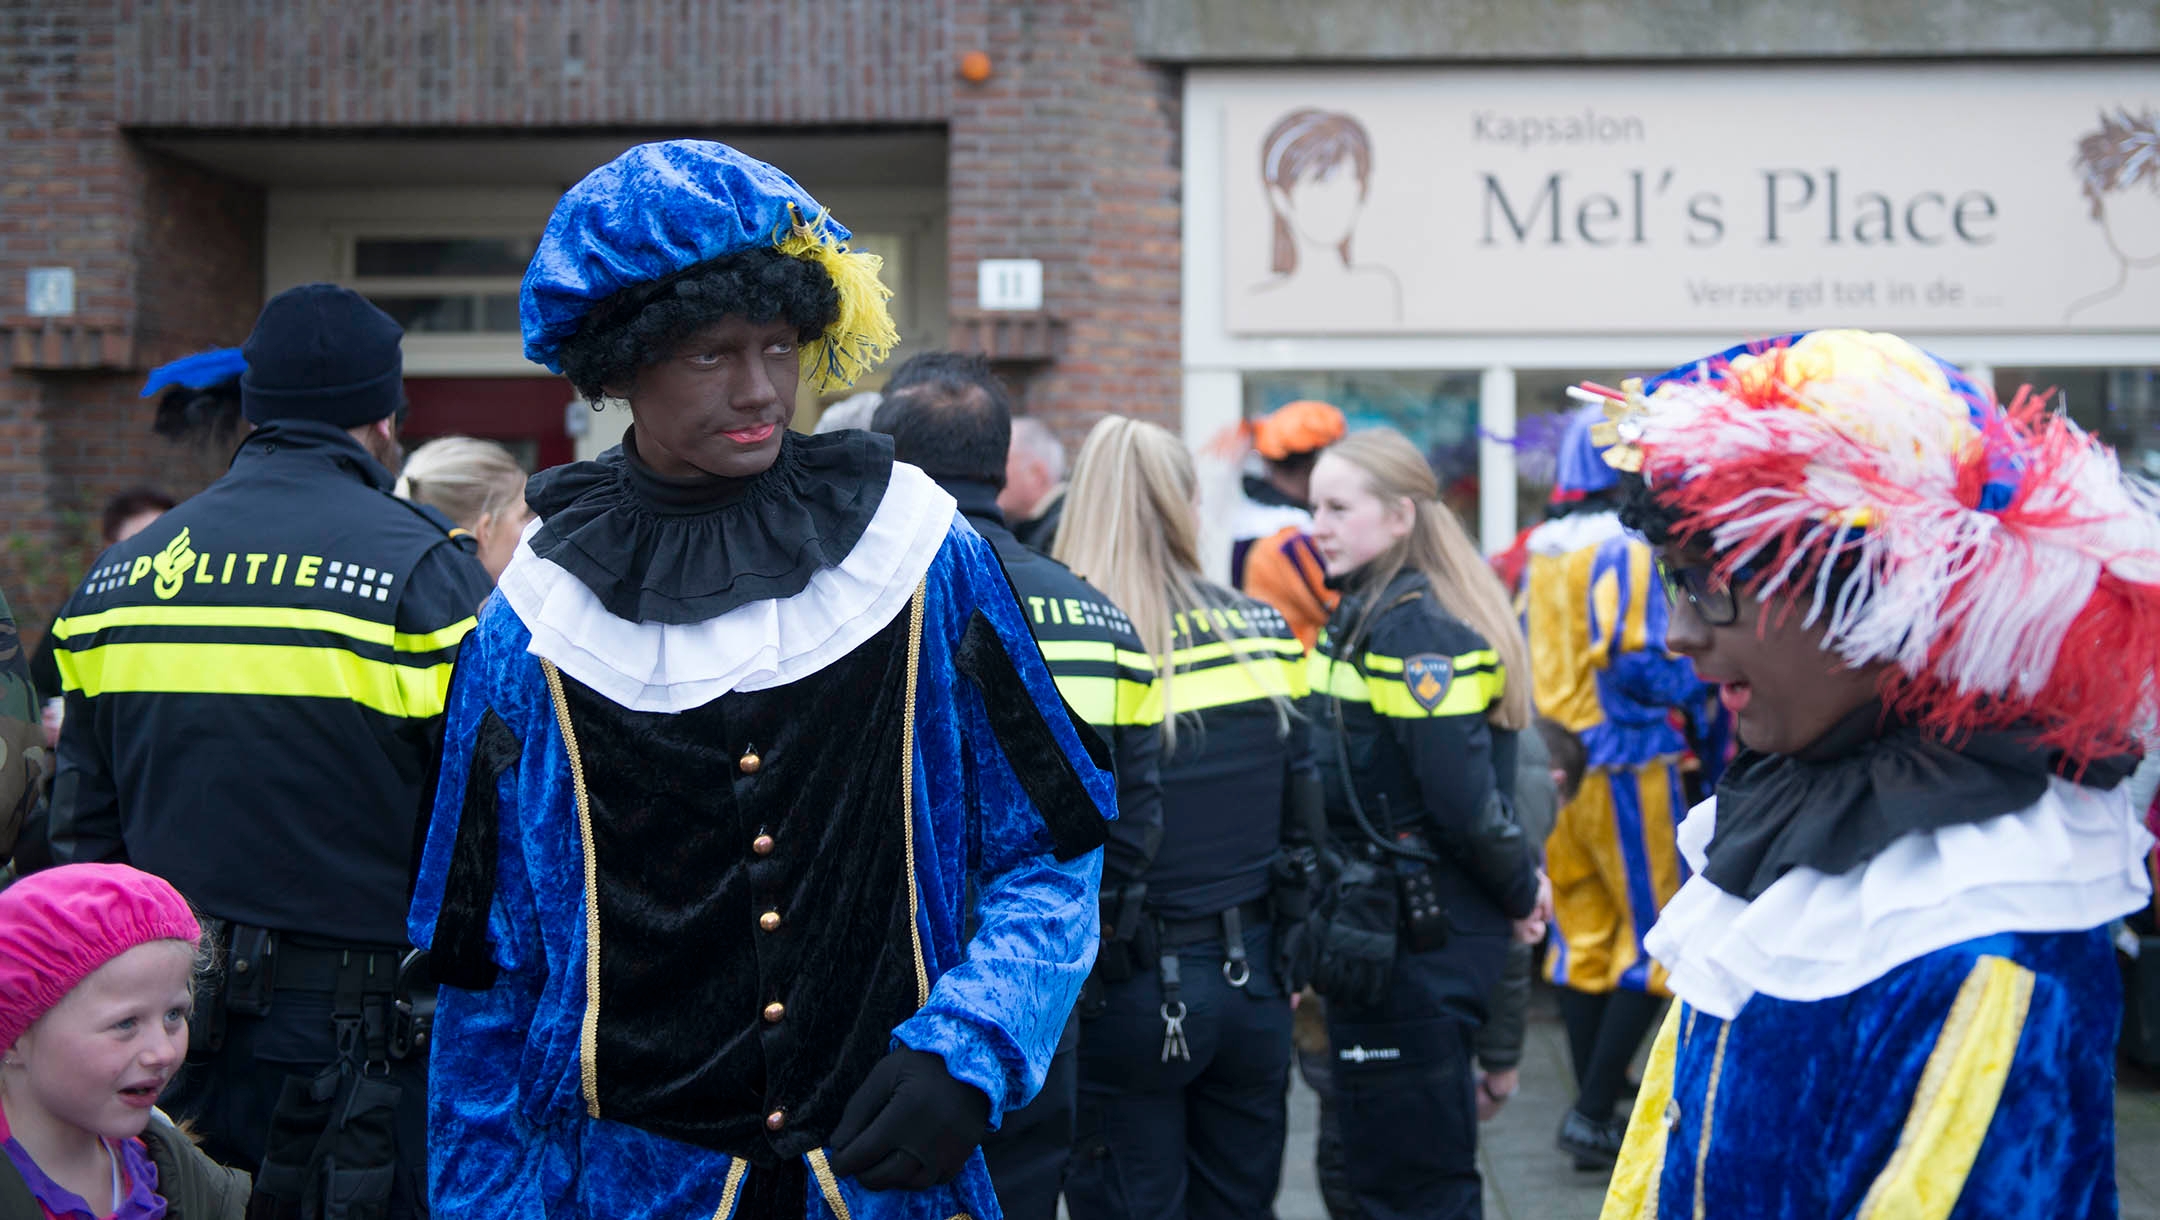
1253 647
1956 1100
1633 1192
257 669
1224 685
1110 701
434 641
1326 676
1467 695
1077 650
275 617
1378 664
1094 650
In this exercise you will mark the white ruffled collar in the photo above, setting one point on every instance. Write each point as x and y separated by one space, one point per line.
2072 860
1563 535
672 667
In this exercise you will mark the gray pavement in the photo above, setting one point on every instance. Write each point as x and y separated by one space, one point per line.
1526 1179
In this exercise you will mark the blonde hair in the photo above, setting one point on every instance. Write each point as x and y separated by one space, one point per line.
1439 549
464 477
1130 530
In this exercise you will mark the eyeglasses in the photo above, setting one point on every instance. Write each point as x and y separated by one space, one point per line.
1711 595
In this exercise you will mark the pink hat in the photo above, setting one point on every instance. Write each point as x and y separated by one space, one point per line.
58 926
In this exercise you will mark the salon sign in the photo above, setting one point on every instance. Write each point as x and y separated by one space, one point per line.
1924 197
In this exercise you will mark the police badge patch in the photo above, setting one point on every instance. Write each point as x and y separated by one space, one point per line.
1428 675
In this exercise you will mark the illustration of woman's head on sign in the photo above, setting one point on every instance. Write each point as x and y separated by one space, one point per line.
2118 168
1317 169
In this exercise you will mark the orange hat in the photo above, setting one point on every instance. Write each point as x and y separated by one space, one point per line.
1304 426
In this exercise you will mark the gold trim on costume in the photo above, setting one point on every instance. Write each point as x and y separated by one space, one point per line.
1633 1194
737 1167
828 1185
1709 1115
589 1027
1958 1092
907 792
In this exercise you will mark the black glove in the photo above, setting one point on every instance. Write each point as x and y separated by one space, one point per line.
1348 948
910 1126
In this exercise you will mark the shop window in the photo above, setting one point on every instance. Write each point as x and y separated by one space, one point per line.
443 285
1438 410
1542 408
2119 405
377 257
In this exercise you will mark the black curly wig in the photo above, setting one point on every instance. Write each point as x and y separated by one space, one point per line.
206 416
1660 526
641 324
1642 512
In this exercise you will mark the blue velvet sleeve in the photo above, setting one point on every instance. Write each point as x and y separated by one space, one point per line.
1000 1001
1996 1060
2050 1146
474 907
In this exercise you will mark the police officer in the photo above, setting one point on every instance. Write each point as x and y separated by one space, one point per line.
948 414
1185 1058
254 690
1420 683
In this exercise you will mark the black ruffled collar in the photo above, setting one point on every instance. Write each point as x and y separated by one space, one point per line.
1865 784
1260 491
656 549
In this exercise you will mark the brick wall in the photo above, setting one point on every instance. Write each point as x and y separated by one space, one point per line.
555 63
167 260
1069 154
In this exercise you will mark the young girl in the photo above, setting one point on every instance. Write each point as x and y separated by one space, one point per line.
97 966
1419 686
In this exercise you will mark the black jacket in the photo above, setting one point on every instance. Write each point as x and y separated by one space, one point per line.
255 685
193 1186
1412 697
1109 682
1239 758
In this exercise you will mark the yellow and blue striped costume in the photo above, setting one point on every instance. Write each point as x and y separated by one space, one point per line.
1970 1082
1597 640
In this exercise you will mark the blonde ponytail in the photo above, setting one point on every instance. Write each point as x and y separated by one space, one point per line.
1130 530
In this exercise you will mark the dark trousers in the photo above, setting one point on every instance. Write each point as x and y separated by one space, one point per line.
1026 1155
230 1099
1199 1138
1405 1094
1328 1162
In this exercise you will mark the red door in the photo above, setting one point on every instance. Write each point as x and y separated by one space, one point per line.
525 414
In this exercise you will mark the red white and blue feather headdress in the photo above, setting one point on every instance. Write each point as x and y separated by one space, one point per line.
1996 555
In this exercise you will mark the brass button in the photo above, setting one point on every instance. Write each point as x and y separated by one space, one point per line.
749 762
774 1011
762 845
770 921
776 1120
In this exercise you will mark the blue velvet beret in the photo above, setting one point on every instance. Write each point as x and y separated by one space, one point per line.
1582 467
200 371
653 211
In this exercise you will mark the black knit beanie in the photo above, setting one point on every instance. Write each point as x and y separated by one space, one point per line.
325 353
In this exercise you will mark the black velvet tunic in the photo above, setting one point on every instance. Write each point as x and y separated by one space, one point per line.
705 1014
687 971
